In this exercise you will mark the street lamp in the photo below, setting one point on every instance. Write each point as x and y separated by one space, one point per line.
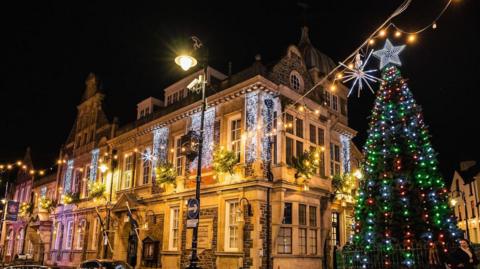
186 62
453 202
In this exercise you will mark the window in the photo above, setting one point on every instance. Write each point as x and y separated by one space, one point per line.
334 102
81 234
343 106
21 237
302 214
169 99
299 148
147 111
175 97
285 240
472 206
127 175
10 243
96 230
327 98
69 238
312 212
334 159
289 123
179 156
296 81
287 213
231 226
312 239
58 231
78 181
235 136
299 128
289 150
142 113
313 134
335 229
459 213
302 241
146 166
173 238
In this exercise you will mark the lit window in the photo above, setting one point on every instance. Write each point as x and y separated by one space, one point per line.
81 234
334 159
69 238
335 229
302 214
127 175
96 230
231 226
302 241
312 239
287 213
284 240
179 157
146 166
21 237
173 238
10 243
235 136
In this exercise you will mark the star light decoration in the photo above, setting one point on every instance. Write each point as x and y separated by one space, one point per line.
389 54
357 73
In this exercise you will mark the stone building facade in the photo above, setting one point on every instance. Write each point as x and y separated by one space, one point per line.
254 114
466 182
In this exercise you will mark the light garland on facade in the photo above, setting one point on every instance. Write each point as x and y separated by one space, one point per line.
345 156
160 143
67 184
208 132
251 110
94 164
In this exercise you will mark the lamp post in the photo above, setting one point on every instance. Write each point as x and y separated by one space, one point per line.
453 202
186 62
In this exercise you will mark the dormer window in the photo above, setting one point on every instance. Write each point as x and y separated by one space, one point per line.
296 81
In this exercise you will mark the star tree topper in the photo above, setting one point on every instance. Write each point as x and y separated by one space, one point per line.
389 54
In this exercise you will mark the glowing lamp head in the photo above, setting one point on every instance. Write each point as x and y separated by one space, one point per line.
103 168
185 61
453 202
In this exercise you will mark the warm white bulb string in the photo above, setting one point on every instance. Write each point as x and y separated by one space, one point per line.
388 23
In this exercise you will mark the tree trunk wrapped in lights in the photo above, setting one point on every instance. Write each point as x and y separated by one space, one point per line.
403 200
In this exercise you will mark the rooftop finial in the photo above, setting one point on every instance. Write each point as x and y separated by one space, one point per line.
304 39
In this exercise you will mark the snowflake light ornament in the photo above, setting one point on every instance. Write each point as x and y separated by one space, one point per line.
359 76
148 156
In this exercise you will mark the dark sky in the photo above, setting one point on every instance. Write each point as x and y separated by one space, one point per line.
48 49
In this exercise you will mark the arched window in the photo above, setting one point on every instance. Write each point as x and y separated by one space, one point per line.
296 81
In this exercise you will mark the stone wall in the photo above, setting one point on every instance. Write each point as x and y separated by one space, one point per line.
207 257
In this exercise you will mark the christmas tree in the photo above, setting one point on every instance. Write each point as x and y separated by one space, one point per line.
403 202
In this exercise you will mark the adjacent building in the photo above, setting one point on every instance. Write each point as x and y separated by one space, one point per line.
466 184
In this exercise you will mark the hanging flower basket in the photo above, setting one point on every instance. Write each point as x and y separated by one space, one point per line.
166 174
70 198
46 204
224 160
25 209
306 165
96 190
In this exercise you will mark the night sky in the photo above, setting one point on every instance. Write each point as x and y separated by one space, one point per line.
48 49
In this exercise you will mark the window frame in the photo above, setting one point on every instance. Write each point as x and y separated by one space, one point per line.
174 228
229 226
230 130
69 235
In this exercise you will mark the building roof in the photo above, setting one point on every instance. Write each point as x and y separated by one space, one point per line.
48 178
312 56
469 174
